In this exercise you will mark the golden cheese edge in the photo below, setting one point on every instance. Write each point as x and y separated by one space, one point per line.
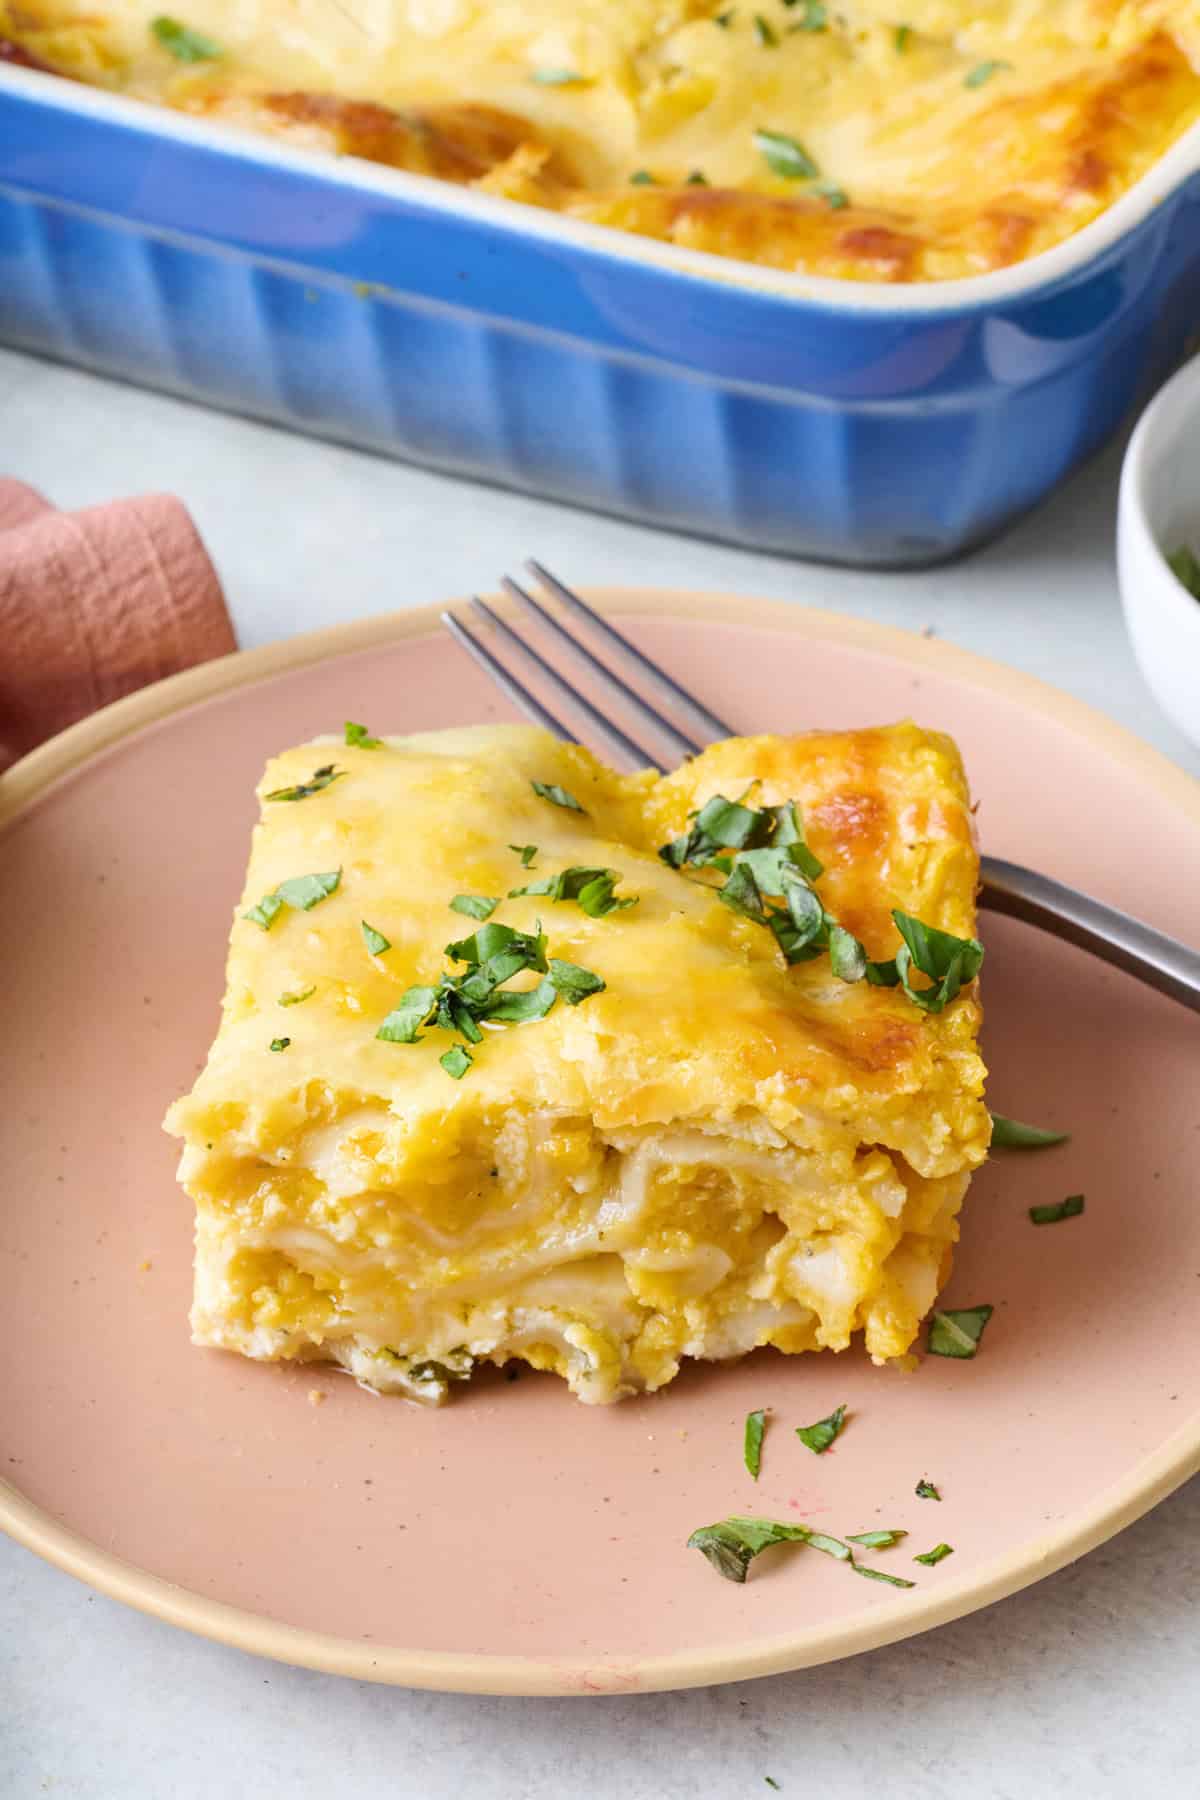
714 1153
644 114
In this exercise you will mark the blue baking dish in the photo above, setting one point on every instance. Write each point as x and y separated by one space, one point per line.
858 422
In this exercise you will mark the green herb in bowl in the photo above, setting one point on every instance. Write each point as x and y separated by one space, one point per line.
1184 564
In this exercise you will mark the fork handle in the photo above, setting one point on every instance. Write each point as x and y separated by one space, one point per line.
1160 961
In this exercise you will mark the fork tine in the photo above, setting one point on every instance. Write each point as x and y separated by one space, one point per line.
679 740
520 696
704 721
641 758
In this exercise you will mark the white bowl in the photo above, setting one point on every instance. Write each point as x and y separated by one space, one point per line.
1159 510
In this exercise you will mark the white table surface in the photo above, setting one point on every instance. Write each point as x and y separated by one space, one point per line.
1088 1682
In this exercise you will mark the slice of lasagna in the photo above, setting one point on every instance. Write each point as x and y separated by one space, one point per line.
521 1058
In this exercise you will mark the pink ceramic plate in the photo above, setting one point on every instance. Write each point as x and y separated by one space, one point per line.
518 1542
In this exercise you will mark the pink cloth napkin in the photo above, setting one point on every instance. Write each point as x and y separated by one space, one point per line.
95 604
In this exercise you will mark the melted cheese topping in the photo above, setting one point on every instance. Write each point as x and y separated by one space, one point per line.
715 1152
645 114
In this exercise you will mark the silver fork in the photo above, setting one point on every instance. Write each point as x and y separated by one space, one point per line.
1160 961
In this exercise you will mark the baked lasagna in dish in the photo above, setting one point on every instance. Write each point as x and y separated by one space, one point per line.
524 1059
879 140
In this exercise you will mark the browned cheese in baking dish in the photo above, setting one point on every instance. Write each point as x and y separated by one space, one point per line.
879 140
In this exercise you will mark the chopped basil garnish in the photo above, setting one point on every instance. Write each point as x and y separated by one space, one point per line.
764 33
556 77
740 893
732 1544
925 1490
820 1540
723 824
983 72
776 872
936 1555
875 1540
374 940
639 178
772 1783
756 1423
818 1437
772 861
301 892
815 16
403 1023
1070 1208
265 912
903 33
526 852
359 738
879 1575
948 961
847 958
297 998
572 982
591 888
697 178
958 1333
279 1043
184 44
459 1003
320 778
456 1061
785 156
475 906
531 1003
548 790
1184 564
493 944
758 872
1010 1134
835 197
802 932
725 19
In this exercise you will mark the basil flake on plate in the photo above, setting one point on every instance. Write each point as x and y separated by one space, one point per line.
818 1437
1057 1210
753 1440
1010 1134
732 1544
881 1575
958 1333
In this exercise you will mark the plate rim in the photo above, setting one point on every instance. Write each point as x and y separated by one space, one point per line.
1152 1480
